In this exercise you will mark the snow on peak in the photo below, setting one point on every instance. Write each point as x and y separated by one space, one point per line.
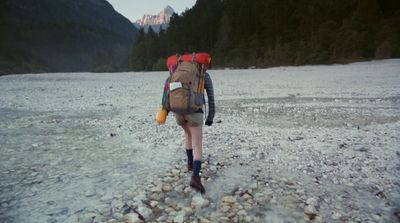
162 18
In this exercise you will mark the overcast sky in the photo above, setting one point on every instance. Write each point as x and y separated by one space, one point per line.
135 9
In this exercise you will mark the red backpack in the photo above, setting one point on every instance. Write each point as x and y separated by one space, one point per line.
186 82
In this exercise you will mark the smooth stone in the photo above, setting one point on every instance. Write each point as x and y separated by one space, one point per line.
242 213
229 199
168 179
199 202
90 193
87 218
118 216
225 208
246 196
167 187
58 211
179 188
156 189
188 210
310 209
336 216
140 198
187 190
175 172
145 212
180 217
117 204
131 218
162 218
153 203
311 201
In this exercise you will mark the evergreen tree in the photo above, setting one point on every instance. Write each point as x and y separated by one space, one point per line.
278 32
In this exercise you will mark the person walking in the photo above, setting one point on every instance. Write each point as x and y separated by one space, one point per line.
191 122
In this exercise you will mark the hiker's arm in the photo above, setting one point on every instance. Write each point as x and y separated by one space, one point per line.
164 101
208 85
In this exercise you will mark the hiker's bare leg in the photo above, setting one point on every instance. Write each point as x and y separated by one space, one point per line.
188 136
197 141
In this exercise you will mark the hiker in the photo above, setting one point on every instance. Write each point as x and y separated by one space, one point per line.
189 72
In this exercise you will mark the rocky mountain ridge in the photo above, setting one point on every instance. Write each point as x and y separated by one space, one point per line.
161 20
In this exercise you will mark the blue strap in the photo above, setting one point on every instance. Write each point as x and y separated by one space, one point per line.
193 56
179 58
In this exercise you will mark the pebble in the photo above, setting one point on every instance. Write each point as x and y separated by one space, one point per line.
311 201
90 193
188 211
145 212
153 204
336 216
310 209
140 198
131 218
246 196
117 216
213 169
180 217
167 187
162 219
175 172
229 199
117 204
199 202
87 218
169 179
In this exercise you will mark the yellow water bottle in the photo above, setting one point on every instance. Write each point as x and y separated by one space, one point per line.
161 116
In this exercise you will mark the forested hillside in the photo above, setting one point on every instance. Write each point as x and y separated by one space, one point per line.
63 36
268 33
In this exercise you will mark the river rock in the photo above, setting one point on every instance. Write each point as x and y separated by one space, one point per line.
131 218
199 202
187 190
229 199
188 211
117 205
140 198
310 209
336 216
153 204
117 215
167 187
145 212
175 172
180 217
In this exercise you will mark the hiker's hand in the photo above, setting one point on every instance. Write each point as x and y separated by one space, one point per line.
209 123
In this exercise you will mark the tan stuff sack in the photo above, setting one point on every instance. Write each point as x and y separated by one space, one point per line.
186 88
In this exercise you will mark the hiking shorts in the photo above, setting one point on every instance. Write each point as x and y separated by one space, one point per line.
194 119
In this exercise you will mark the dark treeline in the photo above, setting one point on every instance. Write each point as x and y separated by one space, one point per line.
276 32
63 36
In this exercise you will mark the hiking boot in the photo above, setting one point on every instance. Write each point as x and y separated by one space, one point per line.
190 167
195 182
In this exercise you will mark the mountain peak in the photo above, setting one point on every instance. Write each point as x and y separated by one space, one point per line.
161 18
156 21
169 10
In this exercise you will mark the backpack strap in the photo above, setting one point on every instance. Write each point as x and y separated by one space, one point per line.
179 58
193 57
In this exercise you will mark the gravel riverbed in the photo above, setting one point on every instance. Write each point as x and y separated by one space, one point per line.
288 144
